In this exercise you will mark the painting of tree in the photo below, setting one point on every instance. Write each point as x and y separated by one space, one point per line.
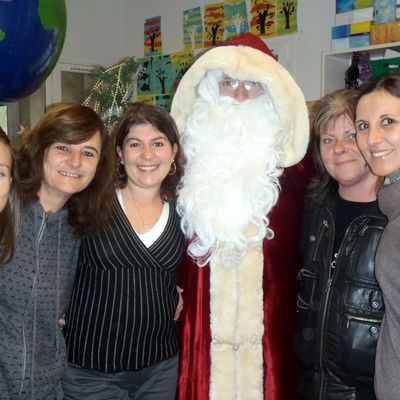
163 75
263 17
152 36
180 63
192 29
214 24
236 22
286 18
143 87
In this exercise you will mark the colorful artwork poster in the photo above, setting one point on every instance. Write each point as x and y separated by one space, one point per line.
152 36
235 18
213 24
363 4
163 101
146 99
286 17
192 29
180 62
262 21
157 76
344 5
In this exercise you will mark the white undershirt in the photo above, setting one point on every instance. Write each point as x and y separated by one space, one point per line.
156 230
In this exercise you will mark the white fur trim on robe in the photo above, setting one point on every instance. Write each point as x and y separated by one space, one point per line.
237 328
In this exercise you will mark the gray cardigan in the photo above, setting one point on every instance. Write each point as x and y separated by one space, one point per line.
387 363
35 289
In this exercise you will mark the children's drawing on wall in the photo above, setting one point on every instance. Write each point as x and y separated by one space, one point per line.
158 77
163 101
148 99
192 29
286 17
213 24
236 22
263 17
363 4
152 36
180 62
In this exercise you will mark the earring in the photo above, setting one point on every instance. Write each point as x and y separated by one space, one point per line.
121 173
172 170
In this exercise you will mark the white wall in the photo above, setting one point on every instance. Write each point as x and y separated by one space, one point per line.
104 31
95 32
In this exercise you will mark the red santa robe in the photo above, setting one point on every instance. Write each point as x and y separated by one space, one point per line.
237 324
281 265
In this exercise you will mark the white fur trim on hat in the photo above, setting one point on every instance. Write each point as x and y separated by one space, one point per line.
246 63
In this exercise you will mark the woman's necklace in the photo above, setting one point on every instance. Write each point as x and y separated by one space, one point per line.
144 224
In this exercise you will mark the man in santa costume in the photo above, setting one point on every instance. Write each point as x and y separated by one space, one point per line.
243 121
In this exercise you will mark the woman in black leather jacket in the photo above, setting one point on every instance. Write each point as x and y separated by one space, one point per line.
340 304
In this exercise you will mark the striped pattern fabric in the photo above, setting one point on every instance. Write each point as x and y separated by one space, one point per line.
124 299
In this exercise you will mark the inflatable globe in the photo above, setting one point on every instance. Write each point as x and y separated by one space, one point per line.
32 34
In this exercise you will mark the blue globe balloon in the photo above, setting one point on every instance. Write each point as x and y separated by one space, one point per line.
32 34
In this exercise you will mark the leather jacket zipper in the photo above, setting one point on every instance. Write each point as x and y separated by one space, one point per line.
362 319
325 225
365 227
326 302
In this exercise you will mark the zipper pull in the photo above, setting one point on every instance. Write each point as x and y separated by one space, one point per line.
364 228
333 262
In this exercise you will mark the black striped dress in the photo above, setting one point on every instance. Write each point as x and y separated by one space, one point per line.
124 298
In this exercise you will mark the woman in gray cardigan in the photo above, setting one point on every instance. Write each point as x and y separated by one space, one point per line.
378 136
65 170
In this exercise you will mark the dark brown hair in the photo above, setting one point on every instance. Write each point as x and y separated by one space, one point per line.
142 113
389 83
7 220
90 209
324 112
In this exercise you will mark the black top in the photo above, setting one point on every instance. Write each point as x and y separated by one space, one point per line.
124 299
345 211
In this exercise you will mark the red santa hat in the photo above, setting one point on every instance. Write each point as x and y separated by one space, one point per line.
250 40
247 57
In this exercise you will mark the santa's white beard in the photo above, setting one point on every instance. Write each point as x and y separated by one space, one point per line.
231 177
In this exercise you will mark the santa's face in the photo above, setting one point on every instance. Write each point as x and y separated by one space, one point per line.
239 90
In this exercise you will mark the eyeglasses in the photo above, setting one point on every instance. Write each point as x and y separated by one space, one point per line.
228 83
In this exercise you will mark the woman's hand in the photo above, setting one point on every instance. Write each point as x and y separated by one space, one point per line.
179 307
